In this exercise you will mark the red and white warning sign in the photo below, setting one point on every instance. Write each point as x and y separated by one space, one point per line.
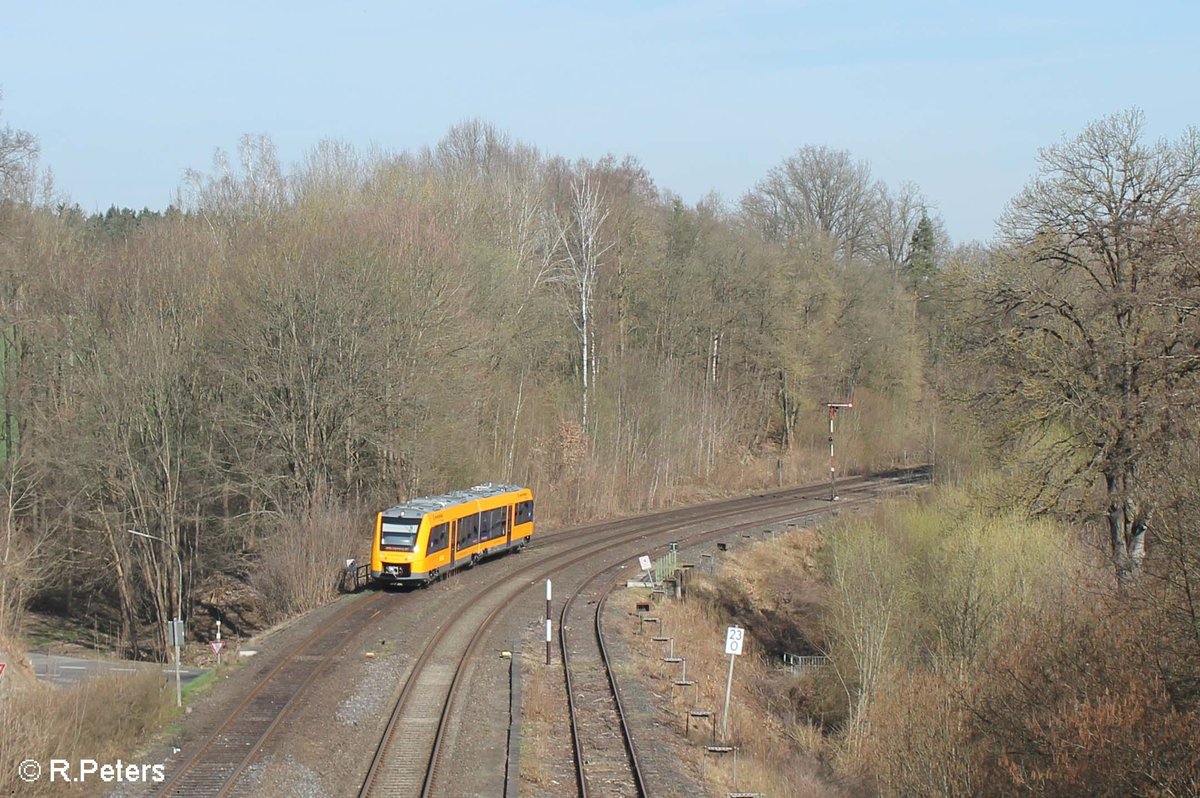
2 666
217 645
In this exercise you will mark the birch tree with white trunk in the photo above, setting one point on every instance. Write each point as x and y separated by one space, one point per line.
577 266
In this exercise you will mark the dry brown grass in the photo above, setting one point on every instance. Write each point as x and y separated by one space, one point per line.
545 728
602 486
779 751
103 719
304 558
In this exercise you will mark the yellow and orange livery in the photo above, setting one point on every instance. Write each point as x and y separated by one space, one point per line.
427 538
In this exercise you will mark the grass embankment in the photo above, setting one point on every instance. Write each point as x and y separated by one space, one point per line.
102 719
105 719
972 651
766 588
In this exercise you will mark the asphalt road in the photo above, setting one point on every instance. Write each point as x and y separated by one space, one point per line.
61 670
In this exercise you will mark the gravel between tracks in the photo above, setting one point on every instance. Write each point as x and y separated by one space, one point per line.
334 729
210 709
672 767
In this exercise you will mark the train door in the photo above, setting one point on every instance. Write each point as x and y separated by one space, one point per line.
453 541
508 514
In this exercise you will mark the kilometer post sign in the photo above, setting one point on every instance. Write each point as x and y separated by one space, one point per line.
735 638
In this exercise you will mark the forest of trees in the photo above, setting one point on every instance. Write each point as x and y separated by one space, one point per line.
1034 630
282 352
250 373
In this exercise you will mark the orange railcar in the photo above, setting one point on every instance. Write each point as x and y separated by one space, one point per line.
424 539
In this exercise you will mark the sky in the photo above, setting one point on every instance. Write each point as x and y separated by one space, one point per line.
956 97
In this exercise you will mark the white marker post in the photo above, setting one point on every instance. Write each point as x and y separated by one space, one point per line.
734 637
548 621
177 639
219 643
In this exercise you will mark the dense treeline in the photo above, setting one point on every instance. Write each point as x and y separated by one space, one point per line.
1035 631
249 373
246 375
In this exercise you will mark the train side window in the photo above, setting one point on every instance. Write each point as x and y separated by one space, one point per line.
524 512
499 522
468 531
439 538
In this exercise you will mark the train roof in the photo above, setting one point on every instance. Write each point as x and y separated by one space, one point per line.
416 508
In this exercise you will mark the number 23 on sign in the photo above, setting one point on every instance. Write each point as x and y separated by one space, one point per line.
734 637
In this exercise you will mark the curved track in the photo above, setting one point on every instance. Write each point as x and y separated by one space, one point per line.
606 760
407 763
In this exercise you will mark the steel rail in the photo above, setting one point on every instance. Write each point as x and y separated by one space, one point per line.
627 736
224 755
215 766
605 538
504 594
636 776
630 753
619 534
622 729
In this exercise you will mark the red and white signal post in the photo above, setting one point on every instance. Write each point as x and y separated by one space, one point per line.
833 408
548 592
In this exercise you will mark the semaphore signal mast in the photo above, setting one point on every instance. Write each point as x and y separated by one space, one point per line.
833 408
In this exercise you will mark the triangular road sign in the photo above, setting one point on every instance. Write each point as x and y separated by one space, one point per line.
217 645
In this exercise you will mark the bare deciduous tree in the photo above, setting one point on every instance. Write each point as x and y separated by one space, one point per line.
865 620
818 191
899 215
22 542
18 163
360 330
258 190
1088 321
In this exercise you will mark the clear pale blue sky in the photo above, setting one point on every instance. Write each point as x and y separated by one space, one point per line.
954 96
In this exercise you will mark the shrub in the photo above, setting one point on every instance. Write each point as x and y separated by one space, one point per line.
103 719
304 558
1069 706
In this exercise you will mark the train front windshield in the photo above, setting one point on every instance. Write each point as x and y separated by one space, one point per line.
399 534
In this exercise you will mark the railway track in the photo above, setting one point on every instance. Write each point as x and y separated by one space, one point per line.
606 760
408 763
214 766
